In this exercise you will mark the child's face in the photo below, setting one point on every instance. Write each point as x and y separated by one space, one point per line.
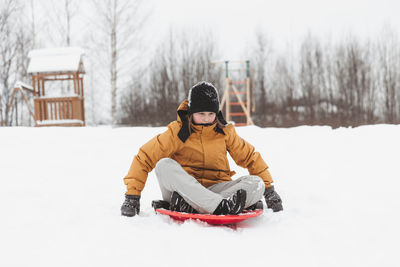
203 117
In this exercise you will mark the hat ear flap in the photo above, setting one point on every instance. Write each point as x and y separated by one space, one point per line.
221 118
183 133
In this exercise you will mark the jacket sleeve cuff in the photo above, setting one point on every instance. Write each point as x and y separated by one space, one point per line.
266 177
268 185
133 191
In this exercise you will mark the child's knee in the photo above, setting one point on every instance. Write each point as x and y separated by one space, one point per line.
253 179
164 163
256 182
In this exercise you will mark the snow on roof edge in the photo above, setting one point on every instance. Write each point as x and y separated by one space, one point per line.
45 52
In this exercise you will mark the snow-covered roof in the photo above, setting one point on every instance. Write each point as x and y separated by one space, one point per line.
55 60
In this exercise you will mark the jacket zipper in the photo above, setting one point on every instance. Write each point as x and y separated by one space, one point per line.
202 147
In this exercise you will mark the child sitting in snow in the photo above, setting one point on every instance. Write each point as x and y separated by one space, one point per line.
191 163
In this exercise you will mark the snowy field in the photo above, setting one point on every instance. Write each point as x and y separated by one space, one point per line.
61 190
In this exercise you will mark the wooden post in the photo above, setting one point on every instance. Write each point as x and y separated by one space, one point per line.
81 79
34 84
67 109
42 83
223 101
83 111
227 85
39 90
78 84
253 95
39 86
63 110
50 103
59 110
38 110
75 85
227 102
46 109
248 100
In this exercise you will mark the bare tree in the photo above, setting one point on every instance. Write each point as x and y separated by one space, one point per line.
311 78
33 23
285 81
331 87
389 55
355 87
260 59
58 20
119 23
14 42
8 54
24 45
195 53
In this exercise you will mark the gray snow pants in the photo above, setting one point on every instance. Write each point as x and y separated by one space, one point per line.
172 177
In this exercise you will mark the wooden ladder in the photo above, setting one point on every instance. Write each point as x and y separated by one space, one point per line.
236 97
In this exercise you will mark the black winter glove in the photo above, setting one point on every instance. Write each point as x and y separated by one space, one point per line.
272 199
131 205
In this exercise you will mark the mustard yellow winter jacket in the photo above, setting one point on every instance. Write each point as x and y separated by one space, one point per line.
202 154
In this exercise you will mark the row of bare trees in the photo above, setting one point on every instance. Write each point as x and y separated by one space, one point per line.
349 83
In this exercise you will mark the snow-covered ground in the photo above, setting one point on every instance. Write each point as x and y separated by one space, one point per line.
61 190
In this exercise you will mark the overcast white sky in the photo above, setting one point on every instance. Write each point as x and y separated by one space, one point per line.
235 21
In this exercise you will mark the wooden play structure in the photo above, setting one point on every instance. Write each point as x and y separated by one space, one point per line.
24 90
237 95
61 67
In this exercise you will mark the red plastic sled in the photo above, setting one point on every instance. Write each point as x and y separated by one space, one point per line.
211 219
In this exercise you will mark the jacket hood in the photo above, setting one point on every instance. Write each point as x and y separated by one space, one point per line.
184 132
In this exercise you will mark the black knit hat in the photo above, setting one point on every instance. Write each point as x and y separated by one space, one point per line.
203 97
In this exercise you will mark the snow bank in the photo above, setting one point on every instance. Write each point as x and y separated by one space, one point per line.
61 190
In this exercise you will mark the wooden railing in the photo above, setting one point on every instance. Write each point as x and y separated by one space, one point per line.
59 108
